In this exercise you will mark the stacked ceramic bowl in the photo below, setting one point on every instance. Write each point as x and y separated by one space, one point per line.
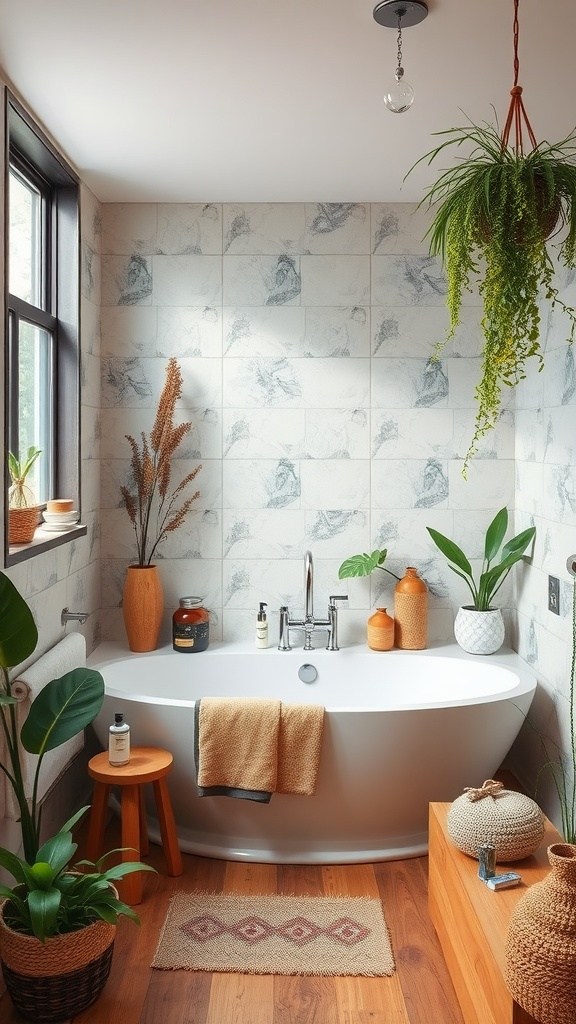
60 515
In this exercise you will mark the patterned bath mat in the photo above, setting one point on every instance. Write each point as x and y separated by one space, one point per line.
341 935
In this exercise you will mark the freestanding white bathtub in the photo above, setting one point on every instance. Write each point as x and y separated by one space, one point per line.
402 728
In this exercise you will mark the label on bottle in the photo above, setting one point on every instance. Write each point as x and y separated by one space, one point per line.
119 746
191 636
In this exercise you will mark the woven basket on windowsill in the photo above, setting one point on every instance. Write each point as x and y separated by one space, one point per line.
22 523
54 980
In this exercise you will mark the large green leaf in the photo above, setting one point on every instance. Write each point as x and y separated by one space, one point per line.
361 565
451 551
58 851
42 874
495 534
517 546
43 907
18 633
10 862
62 709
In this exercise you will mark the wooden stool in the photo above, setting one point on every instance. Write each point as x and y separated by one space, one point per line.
147 764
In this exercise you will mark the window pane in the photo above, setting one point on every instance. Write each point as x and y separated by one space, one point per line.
25 240
35 402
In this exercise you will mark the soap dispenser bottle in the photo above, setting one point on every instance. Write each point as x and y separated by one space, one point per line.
119 741
262 627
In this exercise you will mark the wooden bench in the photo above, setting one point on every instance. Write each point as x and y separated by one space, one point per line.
472 921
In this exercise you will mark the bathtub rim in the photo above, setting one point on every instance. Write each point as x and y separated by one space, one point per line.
113 652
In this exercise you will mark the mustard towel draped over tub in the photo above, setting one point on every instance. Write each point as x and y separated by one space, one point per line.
253 747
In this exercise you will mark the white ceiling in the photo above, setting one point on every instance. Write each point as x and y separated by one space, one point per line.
263 101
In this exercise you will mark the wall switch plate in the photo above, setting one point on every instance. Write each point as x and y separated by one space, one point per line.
554 595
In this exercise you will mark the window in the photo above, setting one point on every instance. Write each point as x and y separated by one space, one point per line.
42 323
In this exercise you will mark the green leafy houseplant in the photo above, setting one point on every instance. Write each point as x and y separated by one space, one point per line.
48 898
53 896
62 709
492 576
20 495
364 565
495 209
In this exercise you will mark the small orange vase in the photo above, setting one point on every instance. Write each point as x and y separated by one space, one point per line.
380 631
143 606
411 611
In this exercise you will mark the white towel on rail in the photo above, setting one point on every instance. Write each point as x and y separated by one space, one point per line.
69 653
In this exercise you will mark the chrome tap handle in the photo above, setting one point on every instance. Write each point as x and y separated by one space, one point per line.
284 633
332 644
308 586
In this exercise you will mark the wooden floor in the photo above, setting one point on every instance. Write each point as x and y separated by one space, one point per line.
420 992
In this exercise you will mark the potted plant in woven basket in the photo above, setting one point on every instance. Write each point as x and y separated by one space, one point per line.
494 211
23 510
57 923
479 627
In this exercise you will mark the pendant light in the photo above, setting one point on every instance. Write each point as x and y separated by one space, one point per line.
399 14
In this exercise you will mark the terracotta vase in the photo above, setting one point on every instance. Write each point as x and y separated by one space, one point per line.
380 631
411 611
143 607
540 951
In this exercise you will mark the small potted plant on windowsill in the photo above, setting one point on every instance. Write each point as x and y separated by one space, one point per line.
57 923
479 627
23 510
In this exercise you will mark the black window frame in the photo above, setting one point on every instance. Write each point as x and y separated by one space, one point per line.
32 154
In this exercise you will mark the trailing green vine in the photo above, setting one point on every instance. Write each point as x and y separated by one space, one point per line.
495 211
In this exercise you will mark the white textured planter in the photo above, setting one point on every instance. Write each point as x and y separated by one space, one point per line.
479 632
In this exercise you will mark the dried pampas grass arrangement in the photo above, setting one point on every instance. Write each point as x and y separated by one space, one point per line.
154 509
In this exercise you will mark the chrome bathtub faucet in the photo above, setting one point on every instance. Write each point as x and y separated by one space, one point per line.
68 616
309 625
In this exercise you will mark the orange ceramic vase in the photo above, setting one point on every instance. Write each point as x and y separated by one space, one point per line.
380 631
143 606
411 611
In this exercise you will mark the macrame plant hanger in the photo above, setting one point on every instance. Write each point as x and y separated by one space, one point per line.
517 111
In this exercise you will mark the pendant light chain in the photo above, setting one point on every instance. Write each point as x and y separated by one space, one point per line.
399 69
516 110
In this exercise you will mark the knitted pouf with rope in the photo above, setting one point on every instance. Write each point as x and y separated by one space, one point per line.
509 821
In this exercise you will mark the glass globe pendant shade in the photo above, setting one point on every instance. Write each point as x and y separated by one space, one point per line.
400 96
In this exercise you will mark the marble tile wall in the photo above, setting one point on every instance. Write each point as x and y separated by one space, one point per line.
545 492
304 333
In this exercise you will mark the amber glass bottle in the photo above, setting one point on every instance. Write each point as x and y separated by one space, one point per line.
190 626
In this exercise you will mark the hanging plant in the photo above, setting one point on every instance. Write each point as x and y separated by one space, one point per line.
497 207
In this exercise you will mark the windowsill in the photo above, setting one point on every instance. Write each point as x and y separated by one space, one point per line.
44 540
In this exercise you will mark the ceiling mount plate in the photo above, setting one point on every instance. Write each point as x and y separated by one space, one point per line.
411 12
